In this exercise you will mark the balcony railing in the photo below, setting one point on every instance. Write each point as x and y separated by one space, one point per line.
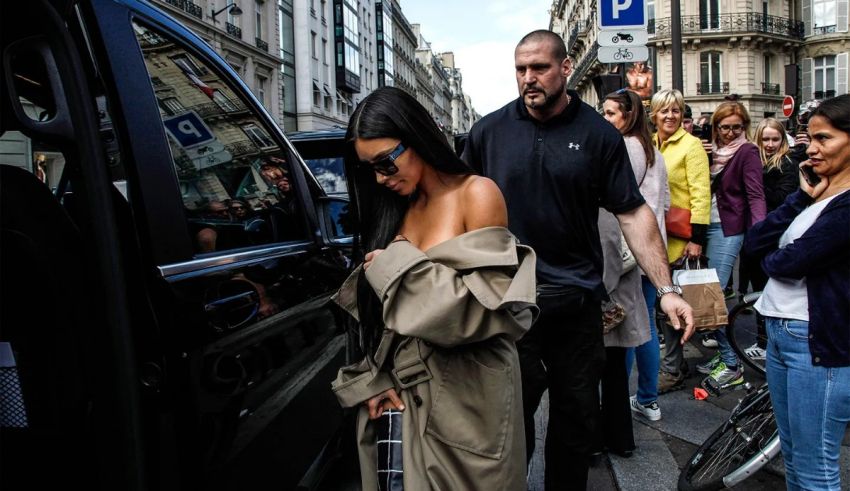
824 94
242 147
212 109
188 7
262 44
769 88
581 69
823 30
730 23
573 39
233 30
708 89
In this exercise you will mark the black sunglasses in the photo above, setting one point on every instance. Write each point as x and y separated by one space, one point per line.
386 165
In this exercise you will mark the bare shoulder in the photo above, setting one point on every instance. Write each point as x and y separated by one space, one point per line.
483 204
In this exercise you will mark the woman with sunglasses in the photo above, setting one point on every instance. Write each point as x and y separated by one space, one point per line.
443 294
737 203
637 337
804 247
687 176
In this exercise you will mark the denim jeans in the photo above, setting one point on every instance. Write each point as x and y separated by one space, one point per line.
648 354
722 252
812 407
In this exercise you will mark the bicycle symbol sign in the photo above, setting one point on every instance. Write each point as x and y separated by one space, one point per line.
618 54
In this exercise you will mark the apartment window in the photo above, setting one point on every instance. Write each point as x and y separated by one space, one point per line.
324 6
709 68
258 19
233 19
258 136
767 67
224 102
823 15
325 51
317 94
709 14
313 45
824 76
171 106
262 83
286 30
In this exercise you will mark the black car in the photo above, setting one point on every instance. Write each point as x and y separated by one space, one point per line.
167 265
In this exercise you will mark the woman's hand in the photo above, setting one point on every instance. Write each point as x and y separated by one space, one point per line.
692 250
388 399
371 257
816 190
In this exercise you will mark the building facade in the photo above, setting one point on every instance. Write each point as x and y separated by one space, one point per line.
728 47
312 61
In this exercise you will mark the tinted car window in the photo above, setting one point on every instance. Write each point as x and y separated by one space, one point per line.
234 179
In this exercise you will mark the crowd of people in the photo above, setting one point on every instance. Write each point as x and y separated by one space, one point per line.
537 262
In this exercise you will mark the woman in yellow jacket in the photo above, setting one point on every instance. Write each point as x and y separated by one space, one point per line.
690 188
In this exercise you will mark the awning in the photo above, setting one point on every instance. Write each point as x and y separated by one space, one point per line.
327 90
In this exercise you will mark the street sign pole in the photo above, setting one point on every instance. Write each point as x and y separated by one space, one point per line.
676 48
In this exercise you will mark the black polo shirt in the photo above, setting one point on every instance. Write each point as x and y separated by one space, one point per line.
555 175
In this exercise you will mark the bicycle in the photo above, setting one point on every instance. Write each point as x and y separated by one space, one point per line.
623 53
745 442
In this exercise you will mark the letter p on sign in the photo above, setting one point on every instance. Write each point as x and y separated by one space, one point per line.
622 14
619 7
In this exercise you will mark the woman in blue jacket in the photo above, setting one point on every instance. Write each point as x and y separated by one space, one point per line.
805 246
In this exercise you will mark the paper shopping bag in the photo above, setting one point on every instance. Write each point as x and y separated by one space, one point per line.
701 289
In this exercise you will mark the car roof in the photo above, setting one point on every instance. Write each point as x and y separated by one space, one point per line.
328 134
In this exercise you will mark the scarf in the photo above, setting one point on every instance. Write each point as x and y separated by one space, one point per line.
722 155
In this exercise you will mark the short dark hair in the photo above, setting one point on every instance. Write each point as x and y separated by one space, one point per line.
559 49
837 111
688 114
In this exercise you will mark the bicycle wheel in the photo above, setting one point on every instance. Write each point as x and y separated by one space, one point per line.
738 449
743 333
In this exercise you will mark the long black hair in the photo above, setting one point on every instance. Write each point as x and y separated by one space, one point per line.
836 111
389 112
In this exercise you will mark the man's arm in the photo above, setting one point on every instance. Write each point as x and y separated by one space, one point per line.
644 239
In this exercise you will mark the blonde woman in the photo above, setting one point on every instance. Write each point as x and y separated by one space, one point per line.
688 178
780 176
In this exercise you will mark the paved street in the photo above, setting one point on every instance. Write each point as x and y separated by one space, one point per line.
663 447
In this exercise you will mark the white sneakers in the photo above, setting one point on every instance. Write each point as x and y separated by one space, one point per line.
754 352
651 411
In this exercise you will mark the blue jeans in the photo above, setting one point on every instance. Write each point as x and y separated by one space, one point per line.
812 406
648 354
722 252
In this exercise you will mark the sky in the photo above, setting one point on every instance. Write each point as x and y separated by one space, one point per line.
482 35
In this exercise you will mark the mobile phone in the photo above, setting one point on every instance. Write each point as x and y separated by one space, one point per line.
809 175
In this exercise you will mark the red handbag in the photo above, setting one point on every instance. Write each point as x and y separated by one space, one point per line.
678 222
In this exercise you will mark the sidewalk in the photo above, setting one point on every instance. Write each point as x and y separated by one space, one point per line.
663 447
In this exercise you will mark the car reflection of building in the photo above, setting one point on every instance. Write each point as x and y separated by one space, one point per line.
218 145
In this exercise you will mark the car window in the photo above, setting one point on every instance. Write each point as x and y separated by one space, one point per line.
234 178
330 174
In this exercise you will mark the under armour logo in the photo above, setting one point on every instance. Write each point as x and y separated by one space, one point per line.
574 146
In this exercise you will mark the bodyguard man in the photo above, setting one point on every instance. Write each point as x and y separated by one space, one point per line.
557 161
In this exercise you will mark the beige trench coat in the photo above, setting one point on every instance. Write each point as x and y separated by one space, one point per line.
458 307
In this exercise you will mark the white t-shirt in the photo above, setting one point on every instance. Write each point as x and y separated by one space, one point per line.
788 298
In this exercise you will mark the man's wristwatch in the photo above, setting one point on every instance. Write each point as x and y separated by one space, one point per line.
664 290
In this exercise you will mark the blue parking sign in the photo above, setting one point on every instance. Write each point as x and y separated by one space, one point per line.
188 129
622 13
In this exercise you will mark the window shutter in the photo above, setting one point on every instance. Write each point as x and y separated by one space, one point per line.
807 18
841 15
841 73
807 79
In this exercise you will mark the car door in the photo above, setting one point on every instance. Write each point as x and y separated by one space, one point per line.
230 269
